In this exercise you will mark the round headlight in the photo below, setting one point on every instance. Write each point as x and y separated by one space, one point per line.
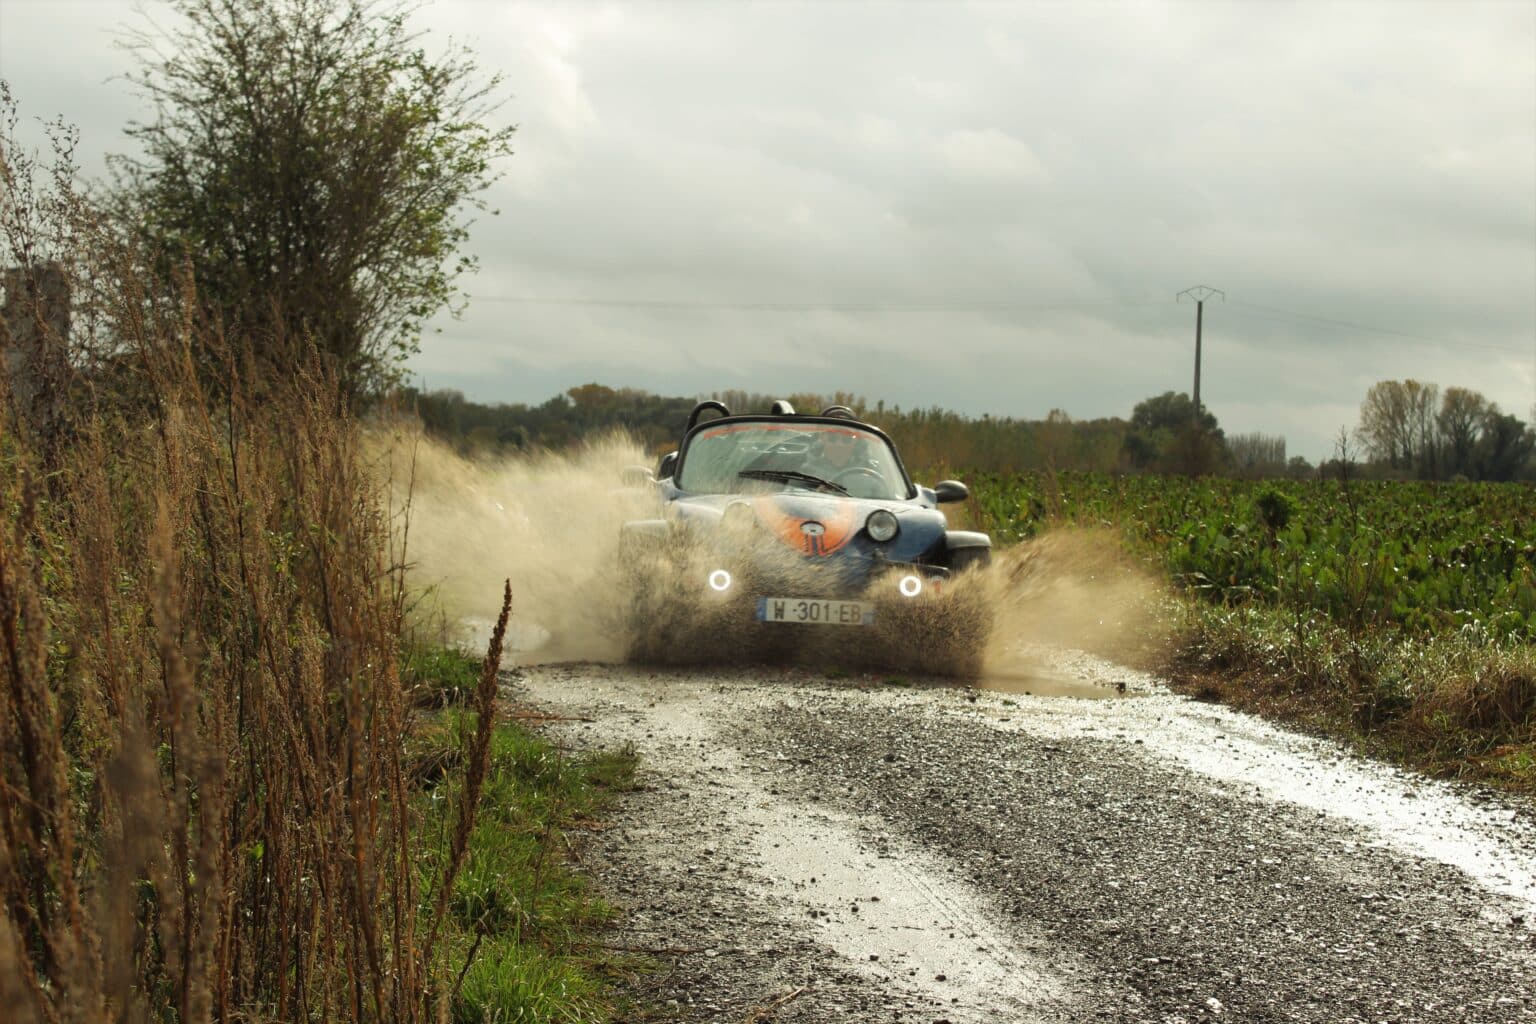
882 525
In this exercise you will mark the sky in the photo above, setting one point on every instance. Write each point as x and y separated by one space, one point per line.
987 207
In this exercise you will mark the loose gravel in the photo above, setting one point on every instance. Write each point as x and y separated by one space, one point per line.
814 849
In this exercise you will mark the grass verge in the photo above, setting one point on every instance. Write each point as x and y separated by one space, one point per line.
523 921
1459 705
1398 617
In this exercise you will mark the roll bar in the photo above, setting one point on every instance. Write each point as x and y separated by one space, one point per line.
701 408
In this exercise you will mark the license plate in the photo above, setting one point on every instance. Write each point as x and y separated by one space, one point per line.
814 611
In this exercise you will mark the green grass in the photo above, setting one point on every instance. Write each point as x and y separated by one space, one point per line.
519 903
1399 616
436 676
1458 705
511 981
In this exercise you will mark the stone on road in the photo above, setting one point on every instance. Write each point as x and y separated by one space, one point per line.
809 849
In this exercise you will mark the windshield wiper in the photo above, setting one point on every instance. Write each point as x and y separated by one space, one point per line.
792 476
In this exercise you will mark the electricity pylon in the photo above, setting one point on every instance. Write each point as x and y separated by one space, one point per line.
1199 293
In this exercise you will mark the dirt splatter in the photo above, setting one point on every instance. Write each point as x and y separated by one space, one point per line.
551 522
548 521
938 630
1071 589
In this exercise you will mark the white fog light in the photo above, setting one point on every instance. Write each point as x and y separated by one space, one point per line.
910 586
882 525
720 580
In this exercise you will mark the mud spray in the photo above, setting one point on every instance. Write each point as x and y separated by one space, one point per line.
1069 589
550 523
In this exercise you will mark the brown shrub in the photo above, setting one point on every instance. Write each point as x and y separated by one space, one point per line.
203 809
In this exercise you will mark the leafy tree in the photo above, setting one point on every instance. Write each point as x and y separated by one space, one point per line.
1504 446
1138 450
314 166
1397 425
1165 436
1171 410
1459 422
1467 436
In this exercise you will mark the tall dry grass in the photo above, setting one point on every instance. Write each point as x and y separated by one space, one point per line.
203 810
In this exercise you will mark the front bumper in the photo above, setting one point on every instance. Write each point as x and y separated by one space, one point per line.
847 579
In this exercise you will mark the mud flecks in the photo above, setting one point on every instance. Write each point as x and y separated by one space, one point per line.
548 521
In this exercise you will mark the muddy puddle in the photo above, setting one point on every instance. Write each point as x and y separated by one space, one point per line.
1048 684
530 644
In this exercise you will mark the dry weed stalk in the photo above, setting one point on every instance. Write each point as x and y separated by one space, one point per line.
203 808
36 813
477 763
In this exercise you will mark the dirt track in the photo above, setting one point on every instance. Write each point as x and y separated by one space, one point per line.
814 849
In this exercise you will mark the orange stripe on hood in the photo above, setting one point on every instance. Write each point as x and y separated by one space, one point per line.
838 526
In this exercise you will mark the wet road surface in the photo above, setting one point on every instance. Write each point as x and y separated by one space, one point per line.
805 848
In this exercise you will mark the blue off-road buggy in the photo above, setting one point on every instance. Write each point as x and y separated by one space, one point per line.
801 536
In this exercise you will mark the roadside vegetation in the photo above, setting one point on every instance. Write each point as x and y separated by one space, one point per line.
231 787
520 918
1401 615
237 780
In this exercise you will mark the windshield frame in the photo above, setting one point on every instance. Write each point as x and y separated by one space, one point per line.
806 424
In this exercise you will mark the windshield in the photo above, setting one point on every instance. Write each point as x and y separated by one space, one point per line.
751 457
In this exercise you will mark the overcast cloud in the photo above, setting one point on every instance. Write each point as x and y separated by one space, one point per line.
987 207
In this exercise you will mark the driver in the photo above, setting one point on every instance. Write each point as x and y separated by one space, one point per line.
841 450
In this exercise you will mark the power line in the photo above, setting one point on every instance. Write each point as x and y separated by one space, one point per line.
1285 315
1336 322
1304 320
805 307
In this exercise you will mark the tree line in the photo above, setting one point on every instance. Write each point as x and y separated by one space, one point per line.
1159 436
1463 436
928 437
1410 428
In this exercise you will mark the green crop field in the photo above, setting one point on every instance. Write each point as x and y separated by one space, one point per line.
1422 557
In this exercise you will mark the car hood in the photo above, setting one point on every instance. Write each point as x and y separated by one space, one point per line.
821 525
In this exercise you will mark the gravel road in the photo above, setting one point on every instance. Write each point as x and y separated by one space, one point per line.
805 848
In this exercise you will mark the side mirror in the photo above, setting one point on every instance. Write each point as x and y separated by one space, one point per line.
667 464
946 491
636 476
